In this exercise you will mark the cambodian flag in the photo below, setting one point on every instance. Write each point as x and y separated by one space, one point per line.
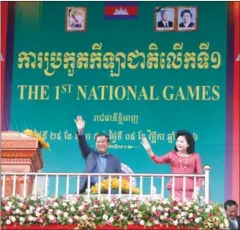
120 10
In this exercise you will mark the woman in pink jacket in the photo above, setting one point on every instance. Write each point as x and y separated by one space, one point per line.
182 160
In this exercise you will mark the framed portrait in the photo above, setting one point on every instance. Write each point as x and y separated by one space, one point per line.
76 19
187 18
165 18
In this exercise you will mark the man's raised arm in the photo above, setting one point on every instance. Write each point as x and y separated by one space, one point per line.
84 148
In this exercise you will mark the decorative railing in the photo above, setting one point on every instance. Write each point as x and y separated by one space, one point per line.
50 184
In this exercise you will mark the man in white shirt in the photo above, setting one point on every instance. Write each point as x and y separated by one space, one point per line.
231 208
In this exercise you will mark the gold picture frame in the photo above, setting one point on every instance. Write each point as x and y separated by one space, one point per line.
187 18
76 19
165 19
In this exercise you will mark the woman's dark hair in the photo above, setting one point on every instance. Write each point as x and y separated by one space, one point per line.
189 138
186 11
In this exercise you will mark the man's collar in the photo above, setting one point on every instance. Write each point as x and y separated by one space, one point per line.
235 219
102 155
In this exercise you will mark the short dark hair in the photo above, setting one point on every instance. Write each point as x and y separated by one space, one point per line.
229 203
189 138
186 11
102 134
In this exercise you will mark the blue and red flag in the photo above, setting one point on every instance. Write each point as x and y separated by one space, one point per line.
120 10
